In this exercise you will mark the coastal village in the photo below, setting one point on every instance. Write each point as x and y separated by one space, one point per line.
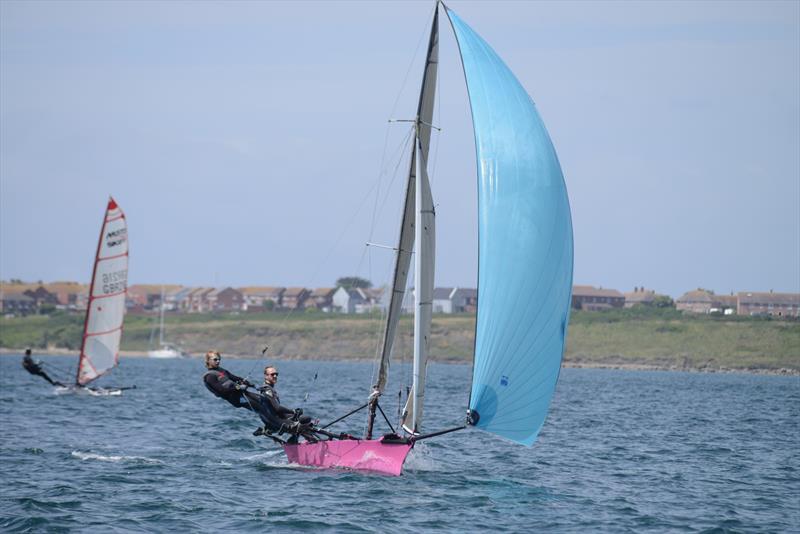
19 298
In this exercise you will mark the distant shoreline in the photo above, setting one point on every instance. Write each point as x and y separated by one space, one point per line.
565 365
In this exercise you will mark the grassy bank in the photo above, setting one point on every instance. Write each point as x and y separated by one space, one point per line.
639 337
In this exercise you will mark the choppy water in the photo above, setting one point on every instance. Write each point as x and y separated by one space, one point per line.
621 451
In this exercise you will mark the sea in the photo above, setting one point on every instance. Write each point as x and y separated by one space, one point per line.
621 451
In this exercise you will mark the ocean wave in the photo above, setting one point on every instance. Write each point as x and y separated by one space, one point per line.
114 458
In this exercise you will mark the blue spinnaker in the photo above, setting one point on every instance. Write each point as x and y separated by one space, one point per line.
525 249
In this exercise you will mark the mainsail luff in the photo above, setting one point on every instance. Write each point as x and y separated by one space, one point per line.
407 229
105 309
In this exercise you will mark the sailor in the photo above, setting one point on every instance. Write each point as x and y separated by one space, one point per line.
34 367
227 385
279 418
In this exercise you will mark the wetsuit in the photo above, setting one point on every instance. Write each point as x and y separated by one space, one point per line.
277 417
222 383
35 368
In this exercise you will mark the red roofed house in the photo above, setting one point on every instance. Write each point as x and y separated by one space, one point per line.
776 304
596 298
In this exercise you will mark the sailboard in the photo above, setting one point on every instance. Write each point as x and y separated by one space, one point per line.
105 310
525 263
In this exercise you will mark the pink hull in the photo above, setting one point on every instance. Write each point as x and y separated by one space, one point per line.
365 455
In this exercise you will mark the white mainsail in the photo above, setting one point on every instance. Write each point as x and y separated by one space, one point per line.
105 311
423 297
419 157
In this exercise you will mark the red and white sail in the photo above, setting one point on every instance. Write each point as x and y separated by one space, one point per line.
102 330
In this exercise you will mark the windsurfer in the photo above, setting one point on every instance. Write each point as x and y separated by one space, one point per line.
227 385
34 367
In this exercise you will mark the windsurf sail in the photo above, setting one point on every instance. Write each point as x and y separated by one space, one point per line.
102 330
525 249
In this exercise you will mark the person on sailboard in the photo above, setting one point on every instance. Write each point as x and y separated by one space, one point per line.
34 367
279 418
226 385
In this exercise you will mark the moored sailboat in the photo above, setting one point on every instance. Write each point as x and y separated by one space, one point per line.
524 270
165 350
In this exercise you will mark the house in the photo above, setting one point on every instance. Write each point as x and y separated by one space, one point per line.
227 299
346 300
196 300
69 293
372 300
726 304
40 296
446 300
178 300
697 301
17 303
640 297
321 299
775 304
148 296
144 296
260 298
465 300
442 301
294 298
596 298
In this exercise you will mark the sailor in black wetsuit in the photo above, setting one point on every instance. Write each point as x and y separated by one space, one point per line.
227 385
278 418
34 367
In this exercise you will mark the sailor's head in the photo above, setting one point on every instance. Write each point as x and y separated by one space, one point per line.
270 375
27 352
213 358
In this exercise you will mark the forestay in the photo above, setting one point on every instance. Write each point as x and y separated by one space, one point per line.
106 307
525 249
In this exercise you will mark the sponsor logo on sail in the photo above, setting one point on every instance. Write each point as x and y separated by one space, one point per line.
116 237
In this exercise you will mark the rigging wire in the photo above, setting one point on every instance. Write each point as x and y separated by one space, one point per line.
373 190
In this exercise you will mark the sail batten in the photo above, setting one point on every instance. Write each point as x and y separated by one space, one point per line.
106 304
525 249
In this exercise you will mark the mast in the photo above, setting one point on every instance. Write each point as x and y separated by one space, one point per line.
407 230
161 321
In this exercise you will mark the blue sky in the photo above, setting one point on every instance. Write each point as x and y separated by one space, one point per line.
248 142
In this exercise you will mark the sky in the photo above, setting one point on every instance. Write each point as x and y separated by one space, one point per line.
249 143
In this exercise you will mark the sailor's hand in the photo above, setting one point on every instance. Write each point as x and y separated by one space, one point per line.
240 386
298 412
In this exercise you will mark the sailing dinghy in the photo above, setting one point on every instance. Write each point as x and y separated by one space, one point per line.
524 270
105 310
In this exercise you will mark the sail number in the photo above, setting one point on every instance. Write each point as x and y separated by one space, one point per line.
115 282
